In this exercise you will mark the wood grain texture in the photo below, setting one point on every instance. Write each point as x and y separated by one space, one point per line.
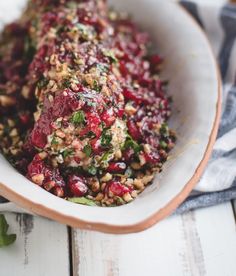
41 248
198 243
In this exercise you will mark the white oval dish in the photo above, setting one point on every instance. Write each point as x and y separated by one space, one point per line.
195 87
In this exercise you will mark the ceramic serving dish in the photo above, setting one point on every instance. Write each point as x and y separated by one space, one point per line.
195 87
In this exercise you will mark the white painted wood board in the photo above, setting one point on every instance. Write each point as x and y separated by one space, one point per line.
41 248
201 242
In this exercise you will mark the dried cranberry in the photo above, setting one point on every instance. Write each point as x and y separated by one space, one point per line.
77 185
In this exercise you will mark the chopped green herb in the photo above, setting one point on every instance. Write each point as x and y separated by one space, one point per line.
5 239
110 54
92 170
164 130
66 83
78 117
87 150
96 86
67 153
102 67
54 141
82 200
72 5
42 83
120 200
91 134
106 138
163 144
130 143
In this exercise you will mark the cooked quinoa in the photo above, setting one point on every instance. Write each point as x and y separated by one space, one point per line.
83 110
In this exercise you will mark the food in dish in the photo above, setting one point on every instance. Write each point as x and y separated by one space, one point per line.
83 108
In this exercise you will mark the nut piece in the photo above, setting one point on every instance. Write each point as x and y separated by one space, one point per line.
107 177
147 179
127 197
38 179
6 101
130 110
138 184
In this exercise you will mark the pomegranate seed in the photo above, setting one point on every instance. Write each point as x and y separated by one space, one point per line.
96 145
116 167
128 155
116 188
152 158
108 117
133 96
77 186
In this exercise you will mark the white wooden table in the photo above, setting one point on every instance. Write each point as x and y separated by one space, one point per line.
201 242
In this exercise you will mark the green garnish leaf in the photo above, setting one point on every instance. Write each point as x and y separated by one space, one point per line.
110 54
82 200
102 67
96 86
87 150
5 239
67 153
92 170
130 143
106 138
42 83
66 83
54 141
164 130
78 117
163 144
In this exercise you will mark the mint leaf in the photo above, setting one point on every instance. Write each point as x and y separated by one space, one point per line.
78 117
82 200
5 239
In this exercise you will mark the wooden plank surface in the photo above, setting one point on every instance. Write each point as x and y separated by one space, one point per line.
41 248
202 242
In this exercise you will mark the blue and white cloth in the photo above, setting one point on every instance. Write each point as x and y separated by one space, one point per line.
218 183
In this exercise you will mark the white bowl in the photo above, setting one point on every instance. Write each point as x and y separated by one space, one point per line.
195 87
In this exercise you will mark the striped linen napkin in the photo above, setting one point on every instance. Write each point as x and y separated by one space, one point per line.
218 184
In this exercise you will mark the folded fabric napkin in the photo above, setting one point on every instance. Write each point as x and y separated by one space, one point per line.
218 184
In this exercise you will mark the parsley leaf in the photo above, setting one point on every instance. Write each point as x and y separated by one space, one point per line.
78 117
106 138
82 200
130 143
164 130
66 153
5 239
92 170
110 54
42 83
87 150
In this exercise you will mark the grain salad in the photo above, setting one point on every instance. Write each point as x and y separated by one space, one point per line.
83 110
